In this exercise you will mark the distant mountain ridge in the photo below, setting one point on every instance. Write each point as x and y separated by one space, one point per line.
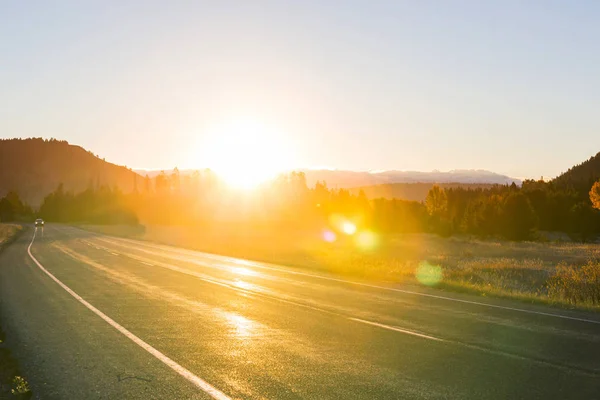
35 167
349 179
354 179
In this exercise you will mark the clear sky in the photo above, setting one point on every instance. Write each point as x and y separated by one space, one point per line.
508 86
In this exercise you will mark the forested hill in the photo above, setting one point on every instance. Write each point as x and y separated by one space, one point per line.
411 191
34 167
580 177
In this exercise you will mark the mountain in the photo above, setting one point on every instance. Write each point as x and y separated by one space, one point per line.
351 179
357 179
34 167
581 177
411 191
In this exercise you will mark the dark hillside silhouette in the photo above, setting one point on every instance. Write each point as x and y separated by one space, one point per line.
35 167
581 177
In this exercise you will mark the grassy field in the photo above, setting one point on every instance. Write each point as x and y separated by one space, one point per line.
565 274
12 384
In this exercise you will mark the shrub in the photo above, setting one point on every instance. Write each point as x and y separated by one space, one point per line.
20 388
576 285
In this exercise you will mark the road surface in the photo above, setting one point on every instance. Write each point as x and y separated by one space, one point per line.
97 317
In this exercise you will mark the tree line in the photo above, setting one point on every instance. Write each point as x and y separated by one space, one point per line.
515 213
287 204
101 205
12 208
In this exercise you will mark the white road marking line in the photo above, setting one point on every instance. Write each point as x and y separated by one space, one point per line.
114 254
271 297
286 301
258 265
147 263
198 382
432 295
395 328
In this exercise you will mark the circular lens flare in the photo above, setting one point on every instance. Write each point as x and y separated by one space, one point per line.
348 228
428 274
366 240
329 236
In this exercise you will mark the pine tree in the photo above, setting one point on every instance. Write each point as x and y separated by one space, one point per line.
436 201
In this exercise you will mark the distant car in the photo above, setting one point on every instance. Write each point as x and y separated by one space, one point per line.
39 222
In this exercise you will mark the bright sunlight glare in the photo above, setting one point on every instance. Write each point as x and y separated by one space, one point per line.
244 271
349 228
245 153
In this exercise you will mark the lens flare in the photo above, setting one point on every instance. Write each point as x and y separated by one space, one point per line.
329 236
342 224
428 274
348 228
366 240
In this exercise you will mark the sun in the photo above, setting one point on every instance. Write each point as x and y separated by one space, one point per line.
245 153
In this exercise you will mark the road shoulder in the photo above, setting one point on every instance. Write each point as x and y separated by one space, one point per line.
12 382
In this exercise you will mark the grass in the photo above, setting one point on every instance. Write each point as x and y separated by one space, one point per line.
8 232
557 273
12 384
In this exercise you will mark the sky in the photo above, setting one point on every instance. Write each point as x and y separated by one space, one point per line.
507 86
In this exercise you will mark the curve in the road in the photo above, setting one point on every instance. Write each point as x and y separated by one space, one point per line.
195 380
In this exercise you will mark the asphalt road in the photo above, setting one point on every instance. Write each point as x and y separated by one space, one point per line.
97 317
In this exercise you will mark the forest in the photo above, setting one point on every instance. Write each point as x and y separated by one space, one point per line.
288 204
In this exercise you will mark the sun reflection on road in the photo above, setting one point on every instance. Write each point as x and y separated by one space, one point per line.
241 327
241 261
243 284
243 271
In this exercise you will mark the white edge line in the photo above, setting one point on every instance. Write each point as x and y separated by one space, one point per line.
259 265
395 328
198 382
432 295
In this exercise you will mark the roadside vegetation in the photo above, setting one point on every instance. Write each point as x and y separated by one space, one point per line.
12 384
8 232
